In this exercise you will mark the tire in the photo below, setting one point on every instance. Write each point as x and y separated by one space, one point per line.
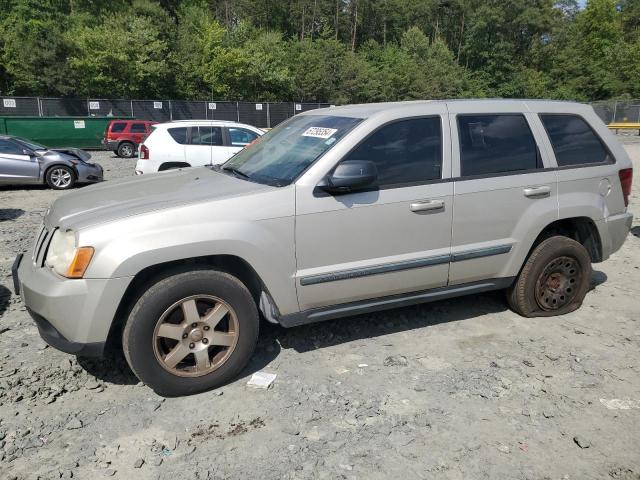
553 281
126 150
151 351
60 177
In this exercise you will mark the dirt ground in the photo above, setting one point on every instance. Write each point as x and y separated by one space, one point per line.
458 389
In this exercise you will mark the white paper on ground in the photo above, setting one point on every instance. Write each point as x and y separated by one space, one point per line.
261 380
618 404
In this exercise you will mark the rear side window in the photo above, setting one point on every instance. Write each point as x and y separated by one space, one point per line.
496 144
405 152
138 128
179 134
573 140
206 136
240 137
118 127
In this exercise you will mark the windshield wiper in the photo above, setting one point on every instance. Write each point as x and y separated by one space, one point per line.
236 172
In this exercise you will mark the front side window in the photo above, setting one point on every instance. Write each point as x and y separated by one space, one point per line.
573 140
206 136
138 128
10 148
491 144
241 137
405 152
29 144
179 134
282 154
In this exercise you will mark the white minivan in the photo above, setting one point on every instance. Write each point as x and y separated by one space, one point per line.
190 143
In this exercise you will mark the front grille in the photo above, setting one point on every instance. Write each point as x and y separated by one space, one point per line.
41 246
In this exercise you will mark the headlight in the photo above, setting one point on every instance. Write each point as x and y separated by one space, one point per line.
65 258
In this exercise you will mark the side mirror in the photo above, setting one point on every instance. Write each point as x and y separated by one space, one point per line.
350 176
26 151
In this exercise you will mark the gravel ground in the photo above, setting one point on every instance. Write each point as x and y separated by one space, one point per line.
450 390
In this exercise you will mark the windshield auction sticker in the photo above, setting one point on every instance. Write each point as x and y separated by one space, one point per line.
319 132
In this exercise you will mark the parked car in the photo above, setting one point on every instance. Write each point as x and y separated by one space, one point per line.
26 162
333 213
190 143
122 137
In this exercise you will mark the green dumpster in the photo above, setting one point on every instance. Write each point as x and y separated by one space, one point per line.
81 132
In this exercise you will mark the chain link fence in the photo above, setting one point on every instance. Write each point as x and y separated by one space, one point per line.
262 115
618 111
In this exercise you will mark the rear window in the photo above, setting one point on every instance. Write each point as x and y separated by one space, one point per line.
573 140
118 127
496 144
179 134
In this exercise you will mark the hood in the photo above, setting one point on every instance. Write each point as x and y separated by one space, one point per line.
116 199
73 152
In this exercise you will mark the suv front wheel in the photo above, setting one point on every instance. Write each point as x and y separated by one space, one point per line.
191 332
553 281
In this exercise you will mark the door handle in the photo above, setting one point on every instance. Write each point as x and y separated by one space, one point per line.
427 205
537 192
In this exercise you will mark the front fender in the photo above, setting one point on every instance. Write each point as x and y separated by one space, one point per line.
184 233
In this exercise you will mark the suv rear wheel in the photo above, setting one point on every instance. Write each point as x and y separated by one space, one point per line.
554 280
191 332
126 150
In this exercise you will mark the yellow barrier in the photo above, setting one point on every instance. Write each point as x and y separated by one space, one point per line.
624 126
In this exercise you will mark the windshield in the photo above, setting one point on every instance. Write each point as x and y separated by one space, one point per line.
30 144
283 153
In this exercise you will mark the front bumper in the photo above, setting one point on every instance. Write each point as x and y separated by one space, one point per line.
72 315
89 172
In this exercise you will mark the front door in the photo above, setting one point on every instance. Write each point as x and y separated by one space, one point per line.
505 192
389 240
15 165
239 138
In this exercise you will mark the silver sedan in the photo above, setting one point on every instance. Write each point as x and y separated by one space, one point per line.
25 162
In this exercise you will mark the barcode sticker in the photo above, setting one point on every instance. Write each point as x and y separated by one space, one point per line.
319 132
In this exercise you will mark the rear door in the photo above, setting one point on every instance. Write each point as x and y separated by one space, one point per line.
505 190
138 131
203 140
15 165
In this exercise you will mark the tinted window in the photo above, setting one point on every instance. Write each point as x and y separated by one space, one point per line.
573 141
137 128
240 137
206 136
495 144
405 152
179 134
8 147
118 127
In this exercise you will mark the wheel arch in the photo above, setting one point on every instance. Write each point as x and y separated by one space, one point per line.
169 165
581 229
231 264
58 163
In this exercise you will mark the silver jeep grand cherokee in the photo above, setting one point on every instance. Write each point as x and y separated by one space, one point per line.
333 213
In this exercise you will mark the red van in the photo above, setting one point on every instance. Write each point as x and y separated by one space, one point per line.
123 136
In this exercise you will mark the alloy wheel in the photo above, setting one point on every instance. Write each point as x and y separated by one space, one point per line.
195 335
61 178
